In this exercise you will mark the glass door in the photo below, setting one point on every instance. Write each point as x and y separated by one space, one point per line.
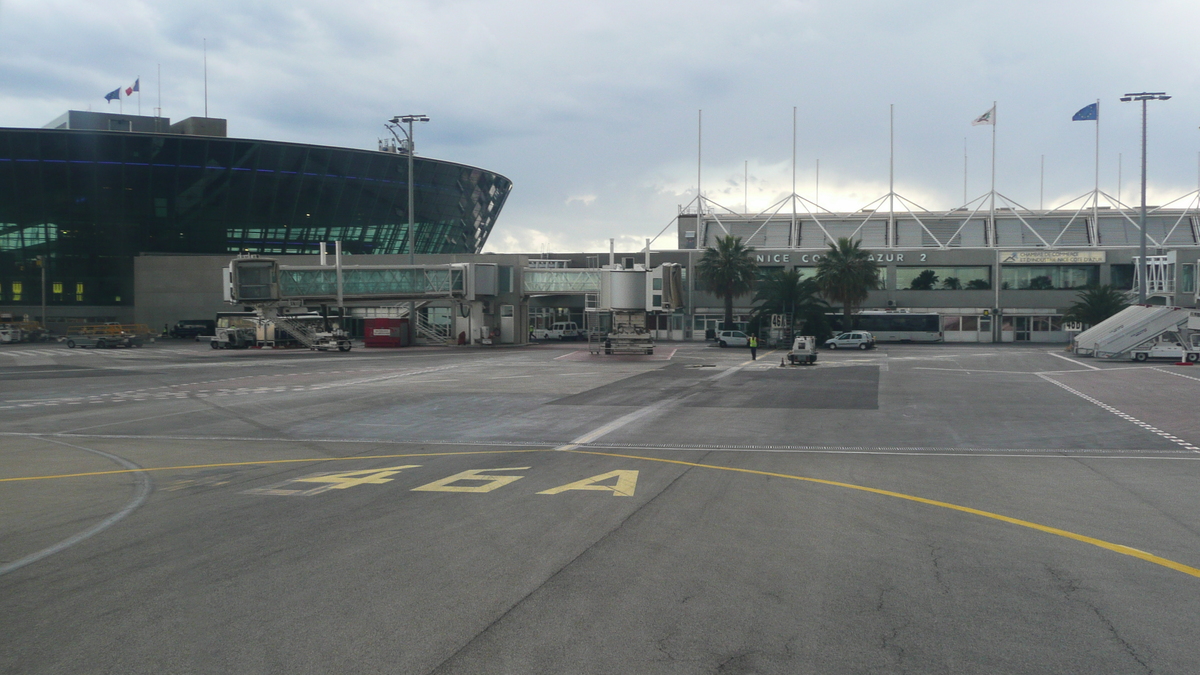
1023 327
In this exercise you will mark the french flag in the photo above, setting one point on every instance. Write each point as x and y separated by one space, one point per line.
129 90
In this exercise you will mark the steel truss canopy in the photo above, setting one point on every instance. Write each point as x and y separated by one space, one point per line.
1080 222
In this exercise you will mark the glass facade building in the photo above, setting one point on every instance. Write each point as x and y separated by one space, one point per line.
87 202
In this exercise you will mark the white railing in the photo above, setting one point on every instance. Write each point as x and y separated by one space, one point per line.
432 332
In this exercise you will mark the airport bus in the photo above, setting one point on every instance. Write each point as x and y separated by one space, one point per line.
894 326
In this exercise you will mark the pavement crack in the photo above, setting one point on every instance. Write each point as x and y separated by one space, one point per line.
550 579
1070 588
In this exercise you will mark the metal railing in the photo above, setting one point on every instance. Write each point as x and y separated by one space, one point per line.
432 332
304 333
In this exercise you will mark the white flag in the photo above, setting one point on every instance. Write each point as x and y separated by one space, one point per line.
988 117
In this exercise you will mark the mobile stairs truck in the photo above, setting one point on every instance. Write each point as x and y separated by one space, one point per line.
1142 332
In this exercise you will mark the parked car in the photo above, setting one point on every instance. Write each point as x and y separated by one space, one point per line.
194 328
860 339
560 330
732 338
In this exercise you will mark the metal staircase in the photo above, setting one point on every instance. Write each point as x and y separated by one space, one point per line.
430 332
304 333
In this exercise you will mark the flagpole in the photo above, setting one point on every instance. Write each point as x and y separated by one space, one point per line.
1096 194
964 170
1042 187
792 232
891 229
206 78
992 209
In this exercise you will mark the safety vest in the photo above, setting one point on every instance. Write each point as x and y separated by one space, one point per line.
753 341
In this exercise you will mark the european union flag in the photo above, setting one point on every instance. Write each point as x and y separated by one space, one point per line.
113 95
1087 112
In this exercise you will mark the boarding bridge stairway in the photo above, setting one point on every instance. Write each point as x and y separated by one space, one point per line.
1117 335
304 333
430 332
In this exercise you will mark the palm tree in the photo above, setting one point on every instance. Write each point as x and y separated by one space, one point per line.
846 275
784 292
728 269
1096 304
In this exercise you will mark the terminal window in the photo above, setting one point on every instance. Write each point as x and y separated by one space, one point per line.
976 278
1049 277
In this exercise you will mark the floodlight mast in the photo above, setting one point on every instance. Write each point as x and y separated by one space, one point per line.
412 251
1142 267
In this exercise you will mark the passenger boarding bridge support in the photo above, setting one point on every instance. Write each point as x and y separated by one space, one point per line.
621 305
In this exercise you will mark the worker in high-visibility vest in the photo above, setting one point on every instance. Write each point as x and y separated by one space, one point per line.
753 348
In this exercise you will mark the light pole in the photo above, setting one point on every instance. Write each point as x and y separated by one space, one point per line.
412 243
45 323
1143 97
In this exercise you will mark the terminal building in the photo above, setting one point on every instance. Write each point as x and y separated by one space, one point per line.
132 219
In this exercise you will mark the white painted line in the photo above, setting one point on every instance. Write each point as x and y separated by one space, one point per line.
1171 372
1124 415
139 497
638 414
1078 363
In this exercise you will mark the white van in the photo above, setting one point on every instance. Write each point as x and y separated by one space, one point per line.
560 330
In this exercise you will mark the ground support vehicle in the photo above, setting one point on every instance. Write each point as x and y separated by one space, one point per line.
104 341
625 333
22 331
1142 332
860 339
629 342
560 330
803 352
732 338
193 328
234 337
105 335
1169 345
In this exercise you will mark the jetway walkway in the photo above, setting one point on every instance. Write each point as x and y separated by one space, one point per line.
277 292
264 280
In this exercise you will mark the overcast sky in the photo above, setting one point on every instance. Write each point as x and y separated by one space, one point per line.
591 108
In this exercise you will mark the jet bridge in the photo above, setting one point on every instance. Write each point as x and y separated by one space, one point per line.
277 292
264 281
618 302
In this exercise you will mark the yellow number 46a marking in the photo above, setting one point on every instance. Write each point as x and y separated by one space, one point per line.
348 479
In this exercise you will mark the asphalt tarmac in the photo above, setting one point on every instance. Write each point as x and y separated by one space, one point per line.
912 509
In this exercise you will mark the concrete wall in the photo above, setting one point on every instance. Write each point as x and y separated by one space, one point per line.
170 288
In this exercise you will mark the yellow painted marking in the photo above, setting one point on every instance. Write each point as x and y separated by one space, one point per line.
348 479
489 482
268 461
626 484
1117 548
